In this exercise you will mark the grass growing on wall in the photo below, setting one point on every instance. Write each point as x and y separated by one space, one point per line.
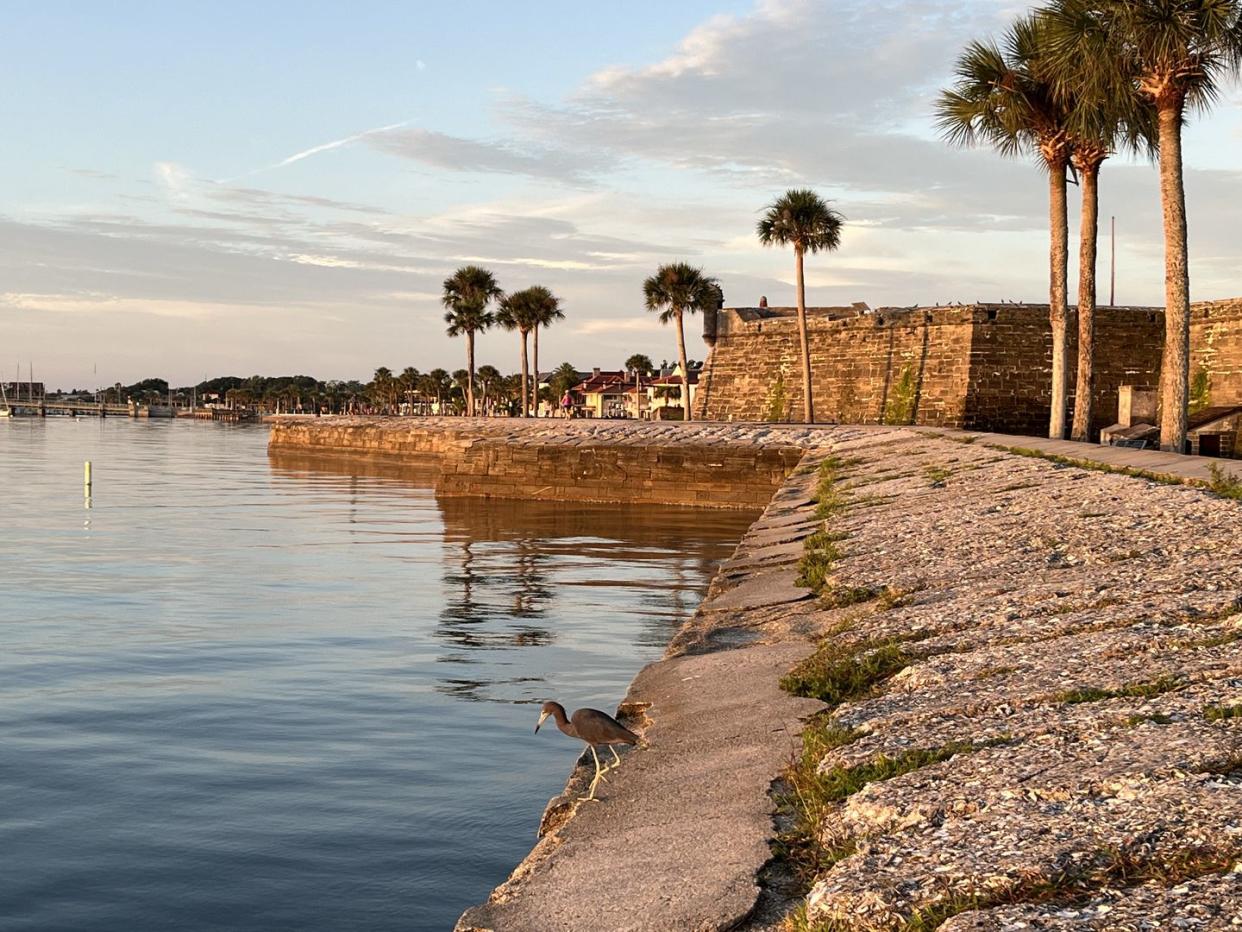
776 399
1200 389
900 409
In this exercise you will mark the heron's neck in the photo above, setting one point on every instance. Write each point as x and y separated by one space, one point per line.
562 721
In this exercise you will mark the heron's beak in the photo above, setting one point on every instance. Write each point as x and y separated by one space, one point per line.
543 717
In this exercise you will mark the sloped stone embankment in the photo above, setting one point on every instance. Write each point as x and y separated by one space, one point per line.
1050 736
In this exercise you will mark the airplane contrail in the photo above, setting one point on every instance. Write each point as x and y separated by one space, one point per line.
324 147
337 143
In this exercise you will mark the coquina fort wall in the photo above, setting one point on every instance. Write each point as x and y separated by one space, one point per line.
981 366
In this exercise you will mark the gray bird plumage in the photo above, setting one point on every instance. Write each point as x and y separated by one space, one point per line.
593 727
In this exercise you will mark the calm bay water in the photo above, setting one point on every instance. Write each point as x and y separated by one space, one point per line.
259 693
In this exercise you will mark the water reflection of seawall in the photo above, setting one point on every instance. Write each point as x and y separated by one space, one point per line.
519 573
533 586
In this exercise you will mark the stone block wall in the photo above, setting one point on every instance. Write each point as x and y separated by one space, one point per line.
612 461
985 366
699 476
1216 353
1010 386
895 366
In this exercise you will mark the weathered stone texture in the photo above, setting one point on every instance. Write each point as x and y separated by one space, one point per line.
983 367
1010 385
1216 350
1067 635
894 366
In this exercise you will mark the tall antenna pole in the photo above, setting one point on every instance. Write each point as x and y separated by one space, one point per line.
1112 290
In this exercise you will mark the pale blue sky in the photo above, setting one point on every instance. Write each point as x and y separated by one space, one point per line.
199 188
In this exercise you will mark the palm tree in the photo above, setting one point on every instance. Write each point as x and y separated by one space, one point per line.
467 294
1172 55
639 365
381 387
460 388
550 312
489 378
436 385
802 219
1006 99
676 290
1098 127
525 311
408 380
509 388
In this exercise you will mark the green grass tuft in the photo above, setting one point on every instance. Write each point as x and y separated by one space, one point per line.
842 782
820 552
1158 718
845 596
800 845
1224 483
1163 478
833 676
1146 690
1222 713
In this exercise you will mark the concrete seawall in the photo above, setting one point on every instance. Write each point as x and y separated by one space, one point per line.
708 466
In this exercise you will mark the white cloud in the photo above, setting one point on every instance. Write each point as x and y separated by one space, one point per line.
175 179
101 304
338 262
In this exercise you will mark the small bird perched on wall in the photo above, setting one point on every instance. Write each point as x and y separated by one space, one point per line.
594 727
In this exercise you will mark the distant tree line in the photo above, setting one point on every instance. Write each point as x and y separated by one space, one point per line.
410 391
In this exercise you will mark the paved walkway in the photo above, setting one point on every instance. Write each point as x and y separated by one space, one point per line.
1173 464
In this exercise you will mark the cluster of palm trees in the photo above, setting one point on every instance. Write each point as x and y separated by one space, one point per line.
1072 83
474 303
799 218
497 393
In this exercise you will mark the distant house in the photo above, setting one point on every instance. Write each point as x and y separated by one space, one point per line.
615 393
602 394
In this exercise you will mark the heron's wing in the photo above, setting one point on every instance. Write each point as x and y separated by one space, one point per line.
601 728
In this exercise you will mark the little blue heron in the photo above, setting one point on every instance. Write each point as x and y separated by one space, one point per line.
592 726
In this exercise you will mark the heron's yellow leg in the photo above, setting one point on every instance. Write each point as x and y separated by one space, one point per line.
598 773
616 758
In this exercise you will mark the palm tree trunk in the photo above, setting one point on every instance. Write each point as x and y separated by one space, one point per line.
685 374
1084 390
525 377
469 373
535 379
1058 216
808 405
1175 366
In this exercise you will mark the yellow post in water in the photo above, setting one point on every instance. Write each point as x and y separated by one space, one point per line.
86 478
